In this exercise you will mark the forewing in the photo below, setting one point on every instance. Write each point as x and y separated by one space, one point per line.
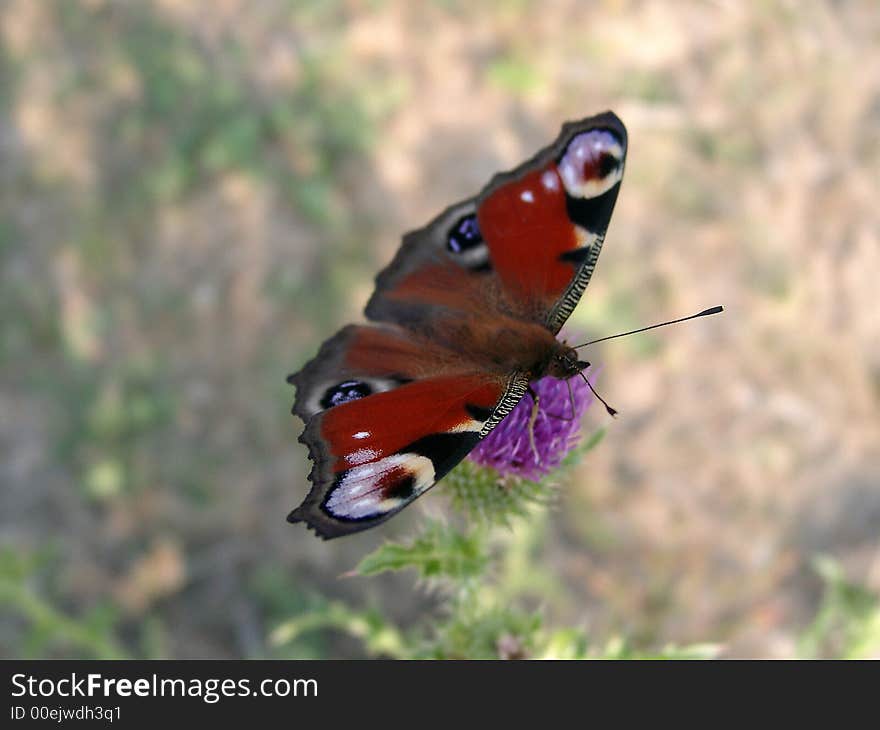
544 223
525 246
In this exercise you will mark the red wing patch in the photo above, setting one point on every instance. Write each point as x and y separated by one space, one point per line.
371 428
527 229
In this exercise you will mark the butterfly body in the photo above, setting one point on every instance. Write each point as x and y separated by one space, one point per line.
464 317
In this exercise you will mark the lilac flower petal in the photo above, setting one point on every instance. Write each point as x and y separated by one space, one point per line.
508 450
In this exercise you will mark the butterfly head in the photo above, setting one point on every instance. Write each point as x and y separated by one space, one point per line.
565 363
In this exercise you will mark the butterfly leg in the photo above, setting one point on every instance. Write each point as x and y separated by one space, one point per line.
532 419
571 404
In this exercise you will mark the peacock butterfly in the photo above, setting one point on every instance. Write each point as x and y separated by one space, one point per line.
464 317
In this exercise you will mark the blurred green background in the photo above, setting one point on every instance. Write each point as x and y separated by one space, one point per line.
193 195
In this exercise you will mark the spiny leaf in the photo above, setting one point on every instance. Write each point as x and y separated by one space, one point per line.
440 551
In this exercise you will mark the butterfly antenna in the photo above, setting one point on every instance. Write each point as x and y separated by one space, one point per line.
704 313
611 411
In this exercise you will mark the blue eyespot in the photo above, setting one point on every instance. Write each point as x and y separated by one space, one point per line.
464 235
345 392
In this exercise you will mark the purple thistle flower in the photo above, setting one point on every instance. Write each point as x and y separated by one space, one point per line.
508 448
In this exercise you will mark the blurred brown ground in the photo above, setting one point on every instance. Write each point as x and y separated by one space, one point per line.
167 260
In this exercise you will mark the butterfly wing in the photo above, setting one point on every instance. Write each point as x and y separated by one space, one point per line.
526 245
387 416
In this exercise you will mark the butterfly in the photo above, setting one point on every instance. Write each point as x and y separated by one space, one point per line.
464 317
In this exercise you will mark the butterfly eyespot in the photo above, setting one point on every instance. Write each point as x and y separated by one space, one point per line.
345 392
465 234
466 244
591 164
